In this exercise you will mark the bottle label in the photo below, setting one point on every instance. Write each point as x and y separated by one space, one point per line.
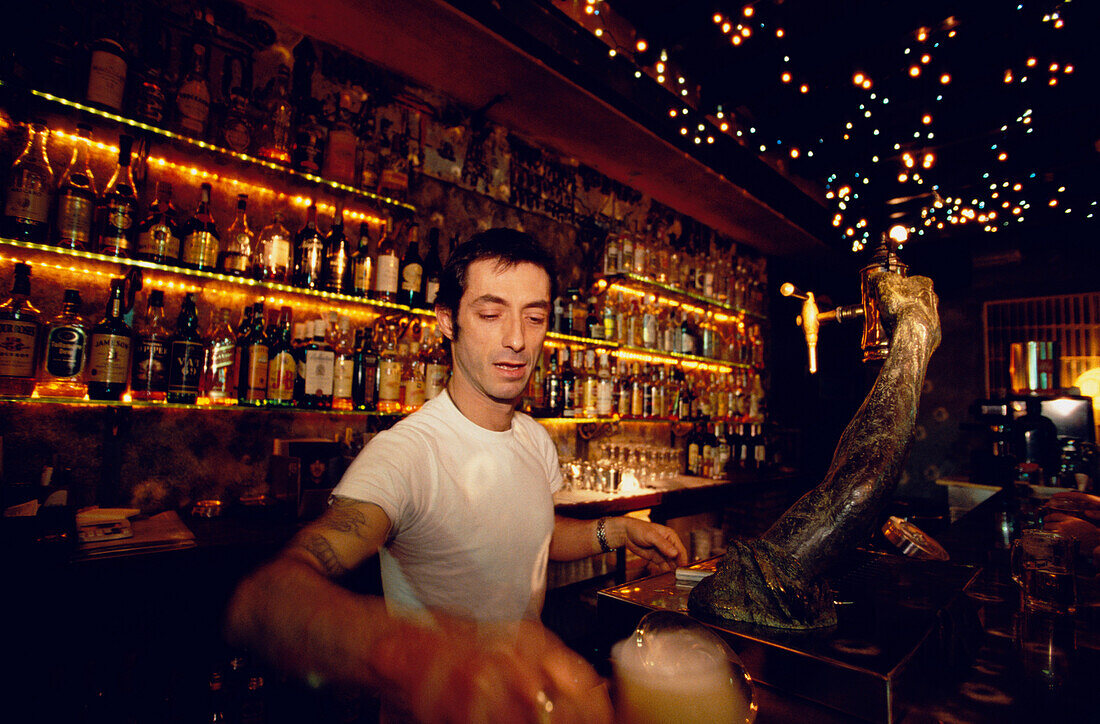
361 275
17 344
385 279
28 197
410 277
435 380
431 291
649 331
604 390
257 371
159 241
200 249
107 79
278 255
184 367
694 463
110 358
344 378
151 365
119 217
222 356
193 102
74 219
389 380
414 391
281 370
320 371
65 350
237 135
235 261
340 156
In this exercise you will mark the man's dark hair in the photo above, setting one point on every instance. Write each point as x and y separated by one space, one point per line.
508 246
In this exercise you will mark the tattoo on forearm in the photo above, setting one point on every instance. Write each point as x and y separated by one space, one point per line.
319 547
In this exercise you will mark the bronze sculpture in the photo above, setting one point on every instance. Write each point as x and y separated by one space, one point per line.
776 580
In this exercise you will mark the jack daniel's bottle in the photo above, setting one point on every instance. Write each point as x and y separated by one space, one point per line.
18 337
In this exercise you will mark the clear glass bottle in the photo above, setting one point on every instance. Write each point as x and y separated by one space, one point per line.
343 346
201 240
158 236
76 196
309 138
389 371
237 127
386 267
220 345
30 183
110 349
275 138
237 251
65 352
271 260
193 98
152 347
340 145
436 369
310 253
118 208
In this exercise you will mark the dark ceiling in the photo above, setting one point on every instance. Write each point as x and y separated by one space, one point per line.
1051 152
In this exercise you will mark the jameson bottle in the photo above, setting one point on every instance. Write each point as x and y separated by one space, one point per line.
364 390
219 378
411 290
386 267
30 183
310 253
118 208
19 330
201 240
362 263
337 255
76 196
109 350
158 238
281 366
271 259
252 372
238 242
64 352
152 346
185 356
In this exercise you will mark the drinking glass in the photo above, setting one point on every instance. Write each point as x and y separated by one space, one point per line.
1043 568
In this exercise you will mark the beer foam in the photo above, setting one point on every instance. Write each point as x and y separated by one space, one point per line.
672 654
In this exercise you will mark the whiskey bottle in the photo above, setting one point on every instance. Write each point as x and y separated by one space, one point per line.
386 267
337 255
19 331
109 350
185 356
220 345
412 379
152 347
76 196
343 378
389 371
64 352
340 146
158 238
107 74
434 357
236 131
309 138
320 364
193 98
412 271
271 260
30 183
604 387
235 255
553 395
310 253
118 210
362 263
201 240
433 268
568 384
275 131
281 365
252 372
364 390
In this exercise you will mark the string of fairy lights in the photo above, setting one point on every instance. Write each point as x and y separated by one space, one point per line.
901 169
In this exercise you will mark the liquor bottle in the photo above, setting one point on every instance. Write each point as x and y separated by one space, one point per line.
709 452
568 384
253 356
271 259
281 365
76 196
434 357
201 240
553 398
219 377
236 133
185 356
605 387
433 268
591 384
310 253
118 208
611 255
633 319
362 263
19 332
340 145
411 290
760 448
235 255
320 362
343 381
109 350
734 438
152 343
386 267
722 454
622 391
151 103
412 379
626 258
158 236
607 318
193 97
309 138
577 310
65 352
30 183
338 255
389 371
593 322
107 74
364 389
694 452
649 322
275 133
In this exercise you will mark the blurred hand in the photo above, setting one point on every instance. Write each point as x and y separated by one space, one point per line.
1087 534
452 673
657 544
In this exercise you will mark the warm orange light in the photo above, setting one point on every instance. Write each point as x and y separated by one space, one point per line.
867 84
1002 156
786 77
641 45
945 78
794 153
858 78
736 40
725 126
804 88
914 70
1031 62
717 18
926 118
925 58
779 32
748 11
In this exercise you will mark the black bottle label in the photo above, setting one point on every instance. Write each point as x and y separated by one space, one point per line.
65 347
151 365
185 367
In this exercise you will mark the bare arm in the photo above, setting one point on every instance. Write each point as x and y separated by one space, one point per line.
660 545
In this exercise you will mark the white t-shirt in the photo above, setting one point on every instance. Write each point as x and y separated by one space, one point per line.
471 511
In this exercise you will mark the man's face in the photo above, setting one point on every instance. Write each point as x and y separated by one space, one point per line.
502 321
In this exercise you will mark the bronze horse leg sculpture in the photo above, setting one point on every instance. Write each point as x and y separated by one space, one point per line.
776 580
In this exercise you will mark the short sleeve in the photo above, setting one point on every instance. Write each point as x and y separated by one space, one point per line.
382 473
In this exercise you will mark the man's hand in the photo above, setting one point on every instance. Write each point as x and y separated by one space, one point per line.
658 544
453 673
909 299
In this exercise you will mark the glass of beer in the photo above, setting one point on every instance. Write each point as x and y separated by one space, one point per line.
1043 568
674 670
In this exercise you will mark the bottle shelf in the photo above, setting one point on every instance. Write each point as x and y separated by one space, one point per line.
638 282
219 150
205 406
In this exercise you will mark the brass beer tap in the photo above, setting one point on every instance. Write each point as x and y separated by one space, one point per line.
875 343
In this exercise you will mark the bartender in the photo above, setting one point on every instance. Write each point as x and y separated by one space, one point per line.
457 501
